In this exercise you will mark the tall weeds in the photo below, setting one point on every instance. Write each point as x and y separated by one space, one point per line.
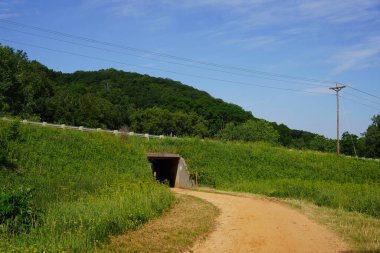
86 187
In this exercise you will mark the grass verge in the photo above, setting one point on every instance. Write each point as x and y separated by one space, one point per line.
360 231
175 231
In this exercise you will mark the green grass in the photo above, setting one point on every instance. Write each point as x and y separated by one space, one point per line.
87 186
323 179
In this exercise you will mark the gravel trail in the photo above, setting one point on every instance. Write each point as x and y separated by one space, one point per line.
257 224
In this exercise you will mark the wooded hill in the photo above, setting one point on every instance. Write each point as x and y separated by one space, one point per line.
114 99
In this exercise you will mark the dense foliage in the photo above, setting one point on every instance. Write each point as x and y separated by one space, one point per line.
112 99
368 145
252 130
69 191
18 212
162 121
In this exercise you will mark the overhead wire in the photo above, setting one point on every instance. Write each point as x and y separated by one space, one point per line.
165 55
359 102
160 60
163 70
356 89
177 58
361 97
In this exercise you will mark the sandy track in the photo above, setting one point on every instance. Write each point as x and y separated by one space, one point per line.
254 224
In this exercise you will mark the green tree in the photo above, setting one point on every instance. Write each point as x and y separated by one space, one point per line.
252 130
348 143
322 144
162 121
372 137
24 85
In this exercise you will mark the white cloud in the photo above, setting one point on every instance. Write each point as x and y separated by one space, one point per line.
358 56
6 8
254 23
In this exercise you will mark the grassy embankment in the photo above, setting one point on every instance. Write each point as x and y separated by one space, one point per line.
81 179
342 193
323 179
70 190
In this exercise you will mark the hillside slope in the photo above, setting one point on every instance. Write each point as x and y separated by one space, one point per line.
78 187
112 99
68 191
324 179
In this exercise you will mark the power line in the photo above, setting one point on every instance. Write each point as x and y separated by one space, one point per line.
358 102
163 70
178 58
176 63
170 62
361 97
363 92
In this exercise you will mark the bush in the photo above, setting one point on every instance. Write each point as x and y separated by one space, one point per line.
8 136
17 210
252 130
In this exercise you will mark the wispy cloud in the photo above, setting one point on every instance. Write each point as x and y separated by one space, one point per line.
7 8
245 14
252 24
148 12
253 42
358 56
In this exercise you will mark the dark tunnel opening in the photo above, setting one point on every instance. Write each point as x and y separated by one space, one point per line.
164 167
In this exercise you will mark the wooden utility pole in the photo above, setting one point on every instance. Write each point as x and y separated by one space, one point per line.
337 88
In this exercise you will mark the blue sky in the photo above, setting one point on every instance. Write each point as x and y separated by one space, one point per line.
324 40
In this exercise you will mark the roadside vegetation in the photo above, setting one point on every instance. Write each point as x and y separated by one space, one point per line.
69 191
177 230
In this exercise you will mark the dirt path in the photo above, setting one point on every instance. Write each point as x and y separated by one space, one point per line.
254 224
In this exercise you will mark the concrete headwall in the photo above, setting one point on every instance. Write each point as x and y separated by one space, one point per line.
183 179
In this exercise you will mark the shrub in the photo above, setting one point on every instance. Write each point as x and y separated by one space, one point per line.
252 130
17 210
8 136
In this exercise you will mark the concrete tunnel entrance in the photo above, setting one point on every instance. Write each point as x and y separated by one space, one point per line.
171 168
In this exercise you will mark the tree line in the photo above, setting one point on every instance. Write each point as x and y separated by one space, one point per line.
113 99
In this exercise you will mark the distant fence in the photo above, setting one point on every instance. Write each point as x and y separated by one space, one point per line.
81 128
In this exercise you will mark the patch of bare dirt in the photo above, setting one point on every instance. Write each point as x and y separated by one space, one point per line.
254 224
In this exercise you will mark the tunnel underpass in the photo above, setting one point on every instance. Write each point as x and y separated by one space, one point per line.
170 168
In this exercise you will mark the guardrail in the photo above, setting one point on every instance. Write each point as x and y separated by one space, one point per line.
82 128
117 132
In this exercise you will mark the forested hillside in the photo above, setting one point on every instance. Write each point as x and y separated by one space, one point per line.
114 99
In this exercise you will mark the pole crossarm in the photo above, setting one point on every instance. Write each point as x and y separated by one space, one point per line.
338 88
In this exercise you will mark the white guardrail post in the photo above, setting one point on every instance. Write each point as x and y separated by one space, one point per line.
82 128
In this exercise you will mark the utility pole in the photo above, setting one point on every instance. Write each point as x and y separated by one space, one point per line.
337 88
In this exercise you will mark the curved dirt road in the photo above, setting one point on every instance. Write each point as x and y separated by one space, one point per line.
254 224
